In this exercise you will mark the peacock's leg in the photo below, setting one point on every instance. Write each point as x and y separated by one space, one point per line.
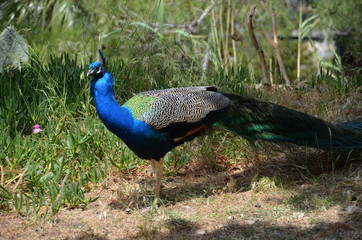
152 166
159 174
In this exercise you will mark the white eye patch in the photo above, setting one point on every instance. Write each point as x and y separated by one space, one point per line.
99 70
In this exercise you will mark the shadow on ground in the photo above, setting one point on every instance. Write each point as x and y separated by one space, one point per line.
182 229
311 171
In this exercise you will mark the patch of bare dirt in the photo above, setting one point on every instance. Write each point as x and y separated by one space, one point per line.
206 204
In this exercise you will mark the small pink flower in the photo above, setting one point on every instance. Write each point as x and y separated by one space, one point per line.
36 128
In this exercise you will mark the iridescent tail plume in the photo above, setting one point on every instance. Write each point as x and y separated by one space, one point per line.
257 120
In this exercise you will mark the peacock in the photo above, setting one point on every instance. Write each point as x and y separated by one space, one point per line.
152 123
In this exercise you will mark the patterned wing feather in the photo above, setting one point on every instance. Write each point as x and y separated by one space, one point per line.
180 105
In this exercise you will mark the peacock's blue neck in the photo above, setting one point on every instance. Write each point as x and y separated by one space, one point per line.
138 136
116 118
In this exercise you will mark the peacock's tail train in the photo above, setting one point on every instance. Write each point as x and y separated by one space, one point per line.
257 120
355 125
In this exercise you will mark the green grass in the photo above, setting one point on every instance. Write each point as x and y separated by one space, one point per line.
52 168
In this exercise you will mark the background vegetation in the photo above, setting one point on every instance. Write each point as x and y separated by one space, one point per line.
152 44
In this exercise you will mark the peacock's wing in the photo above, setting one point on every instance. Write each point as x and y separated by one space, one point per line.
178 111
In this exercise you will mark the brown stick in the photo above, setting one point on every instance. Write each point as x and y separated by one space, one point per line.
257 46
233 41
226 37
279 58
216 34
274 42
2 176
191 28
20 179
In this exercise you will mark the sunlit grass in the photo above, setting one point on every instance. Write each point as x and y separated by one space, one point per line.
50 169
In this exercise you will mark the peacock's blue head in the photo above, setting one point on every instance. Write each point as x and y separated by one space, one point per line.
95 70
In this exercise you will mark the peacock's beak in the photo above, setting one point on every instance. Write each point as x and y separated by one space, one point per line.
90 72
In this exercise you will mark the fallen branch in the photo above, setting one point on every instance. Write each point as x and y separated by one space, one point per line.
191 28
197 22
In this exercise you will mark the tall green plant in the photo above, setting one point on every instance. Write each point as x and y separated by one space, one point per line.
303 30
161 16
49 167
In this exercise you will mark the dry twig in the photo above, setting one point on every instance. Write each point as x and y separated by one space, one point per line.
191 28
215 32
257 46
274 42
20 176
2 175
233 41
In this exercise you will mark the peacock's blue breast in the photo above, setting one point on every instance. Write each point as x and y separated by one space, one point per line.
145 141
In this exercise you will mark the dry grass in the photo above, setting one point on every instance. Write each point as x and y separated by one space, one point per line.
325 104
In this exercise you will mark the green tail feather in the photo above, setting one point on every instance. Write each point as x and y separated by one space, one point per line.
257 120
353 125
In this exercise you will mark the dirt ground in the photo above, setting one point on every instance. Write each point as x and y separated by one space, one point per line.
206 204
